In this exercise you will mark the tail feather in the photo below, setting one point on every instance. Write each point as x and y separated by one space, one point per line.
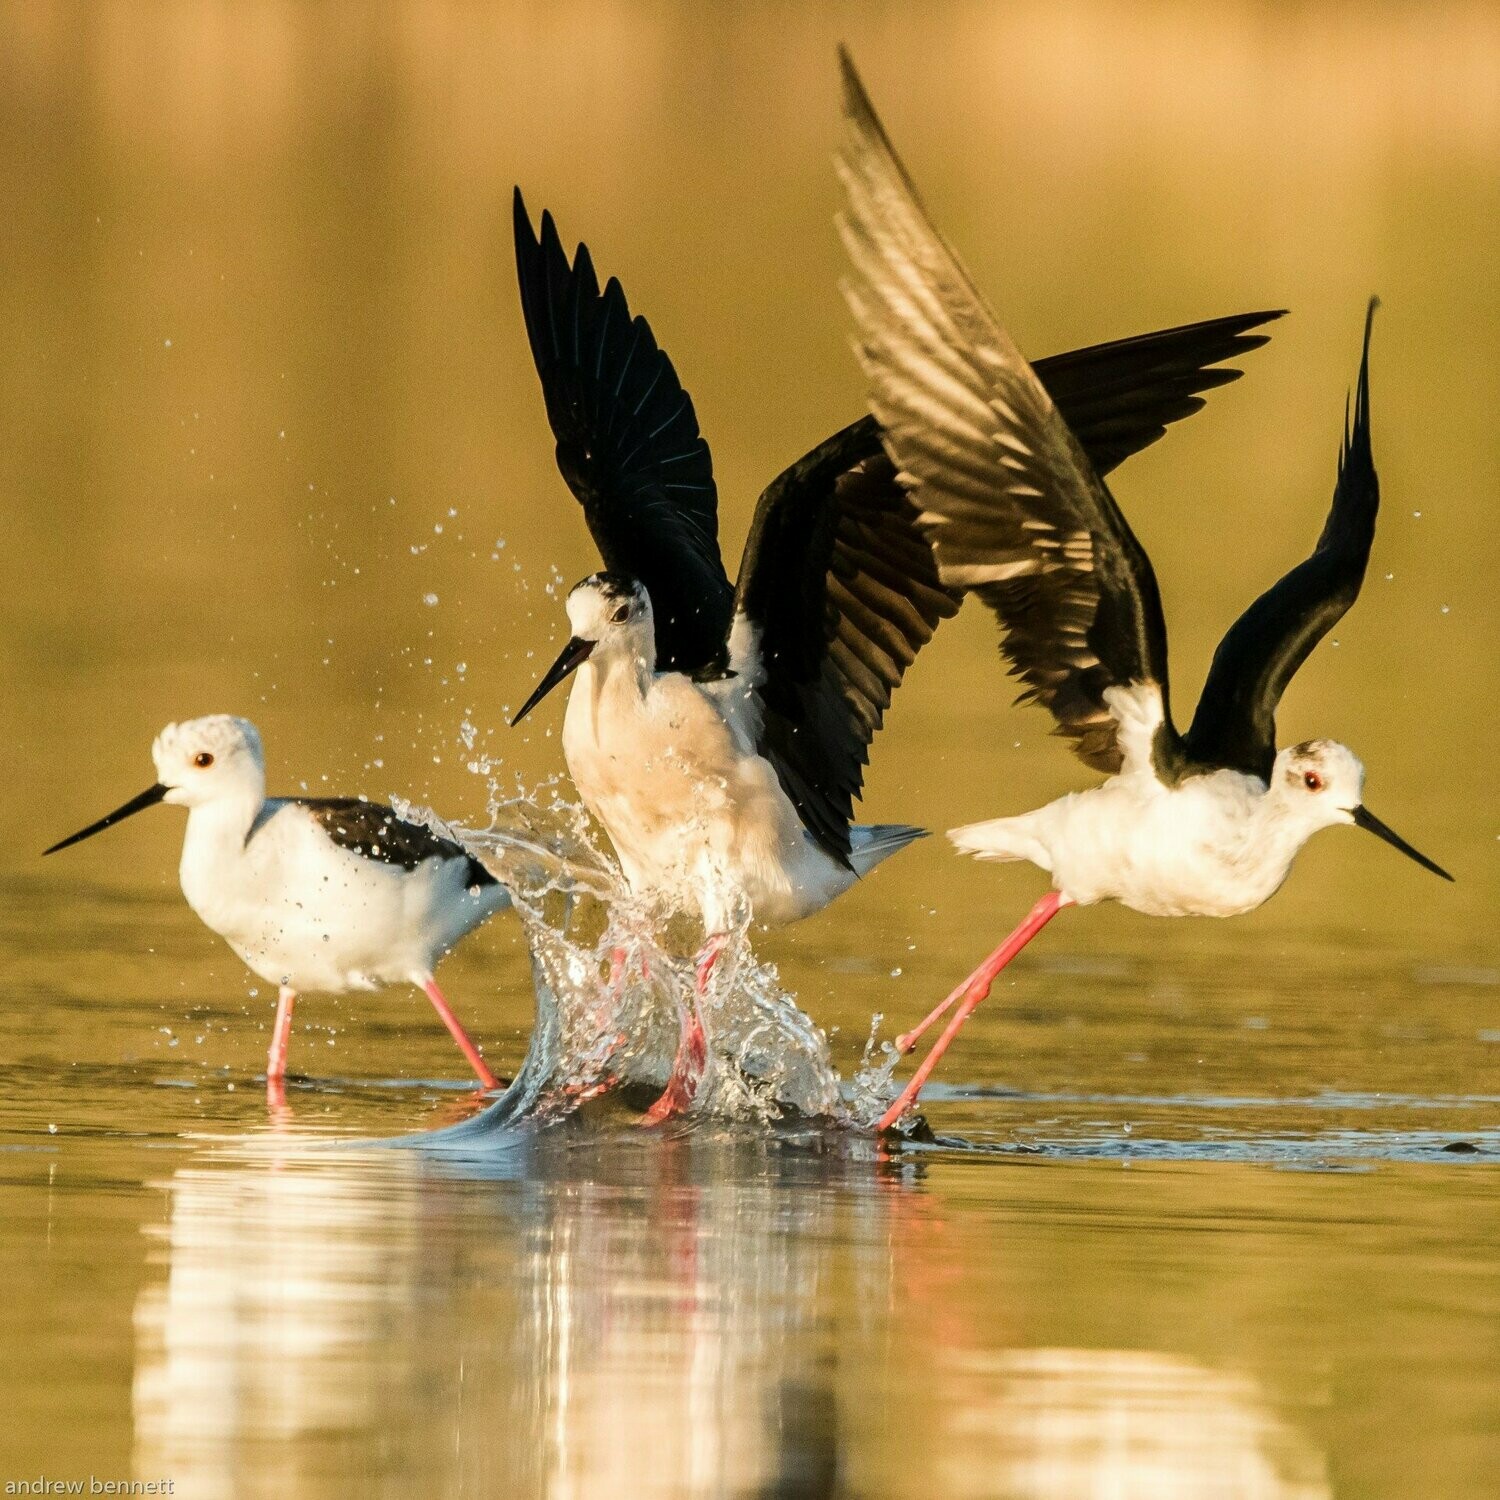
869 843
1000 839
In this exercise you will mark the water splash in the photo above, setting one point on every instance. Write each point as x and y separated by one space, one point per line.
615 981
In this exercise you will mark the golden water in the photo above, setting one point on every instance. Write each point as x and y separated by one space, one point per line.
1199 1228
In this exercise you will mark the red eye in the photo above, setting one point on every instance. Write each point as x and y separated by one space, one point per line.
203 760
1312 781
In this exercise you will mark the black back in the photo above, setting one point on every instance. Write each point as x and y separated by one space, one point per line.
372 830
1235 724
628 446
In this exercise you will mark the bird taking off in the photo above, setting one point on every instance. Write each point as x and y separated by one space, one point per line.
719 732
1205 822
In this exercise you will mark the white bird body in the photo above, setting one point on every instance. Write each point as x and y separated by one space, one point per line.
318 893
1212 845
669 768
1201 823
302 911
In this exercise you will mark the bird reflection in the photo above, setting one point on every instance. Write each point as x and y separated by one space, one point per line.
574 1316
587 1311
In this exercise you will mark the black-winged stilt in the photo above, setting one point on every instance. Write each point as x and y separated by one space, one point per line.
719 733
1202 823
313 893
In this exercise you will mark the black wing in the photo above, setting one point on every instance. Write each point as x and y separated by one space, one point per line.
842 590
1120 397
1013 507
627 445
1235 723
373 830
839 580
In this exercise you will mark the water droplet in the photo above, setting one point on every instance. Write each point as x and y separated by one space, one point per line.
429 600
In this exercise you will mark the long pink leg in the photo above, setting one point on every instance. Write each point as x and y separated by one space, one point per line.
909 1039
692 1048
459 1035
281 1036
973 989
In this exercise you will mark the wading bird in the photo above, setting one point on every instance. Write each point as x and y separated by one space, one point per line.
719 734
313 893
1205 823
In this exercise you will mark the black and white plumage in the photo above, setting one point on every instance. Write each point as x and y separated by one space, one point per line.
720 734
312 893
374 831
1202 823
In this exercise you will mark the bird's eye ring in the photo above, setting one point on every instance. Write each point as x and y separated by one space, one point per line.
203 759
621 615
1312 781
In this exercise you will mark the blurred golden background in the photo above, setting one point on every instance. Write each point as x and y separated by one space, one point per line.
269 394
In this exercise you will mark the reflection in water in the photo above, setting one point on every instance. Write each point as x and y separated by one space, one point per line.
322 1310
1083 1424
587 1315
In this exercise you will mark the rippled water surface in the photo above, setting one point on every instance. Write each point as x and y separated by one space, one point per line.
1205 1209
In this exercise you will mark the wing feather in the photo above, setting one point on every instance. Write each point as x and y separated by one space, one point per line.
1235 722
627 444
1005 491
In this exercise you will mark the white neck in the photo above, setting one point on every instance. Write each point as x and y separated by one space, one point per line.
217 830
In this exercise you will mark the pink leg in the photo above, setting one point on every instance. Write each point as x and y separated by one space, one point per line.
974 989
692 1047
909 1039
616 969
459 1035
281 1037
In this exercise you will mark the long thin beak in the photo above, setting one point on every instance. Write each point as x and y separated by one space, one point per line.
572 656
1364 818
149 798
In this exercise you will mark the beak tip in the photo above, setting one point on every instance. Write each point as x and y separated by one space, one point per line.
1364 818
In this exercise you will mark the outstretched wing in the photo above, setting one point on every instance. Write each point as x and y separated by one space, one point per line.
1006 493
628 445
1235 723
839 581
1120 397
839 590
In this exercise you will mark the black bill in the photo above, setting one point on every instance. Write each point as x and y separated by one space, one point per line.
572 656
1364 818
149 798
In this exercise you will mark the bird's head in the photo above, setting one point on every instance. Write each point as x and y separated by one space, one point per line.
1323 782
608 613
197 761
